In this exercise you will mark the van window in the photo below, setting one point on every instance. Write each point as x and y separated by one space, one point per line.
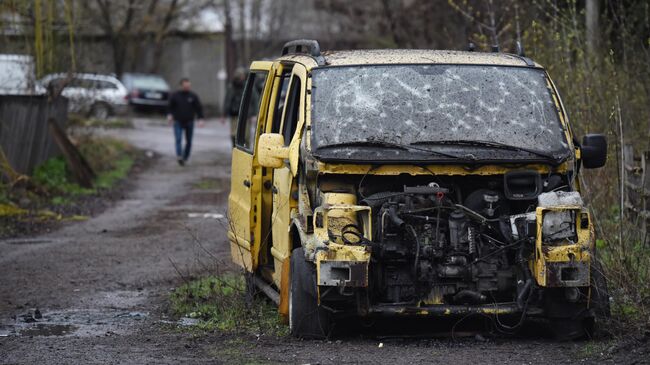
279 102
250 106
292 111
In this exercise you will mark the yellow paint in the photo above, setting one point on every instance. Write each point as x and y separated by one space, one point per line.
245 200
283 308
449 170
580 250
271 150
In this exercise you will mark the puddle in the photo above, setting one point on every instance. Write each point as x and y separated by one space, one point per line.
187 321
43 329
206 215
113 312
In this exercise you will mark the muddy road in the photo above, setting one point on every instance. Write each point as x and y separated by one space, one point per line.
97 291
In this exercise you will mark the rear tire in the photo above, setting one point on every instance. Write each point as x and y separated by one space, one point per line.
306 318
100 111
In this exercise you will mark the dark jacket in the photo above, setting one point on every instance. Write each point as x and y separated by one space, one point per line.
184 106
233 99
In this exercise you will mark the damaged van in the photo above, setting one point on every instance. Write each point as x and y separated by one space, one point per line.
378 183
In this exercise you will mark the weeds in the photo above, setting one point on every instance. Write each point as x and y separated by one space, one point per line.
207 184
225 303
51 194
79 121
605 91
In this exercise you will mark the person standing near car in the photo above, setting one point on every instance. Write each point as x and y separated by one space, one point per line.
231 104
184 107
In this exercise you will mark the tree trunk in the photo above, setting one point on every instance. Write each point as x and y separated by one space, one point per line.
592 13
231 47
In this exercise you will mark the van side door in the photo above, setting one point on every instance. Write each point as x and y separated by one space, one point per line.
246 175
284 187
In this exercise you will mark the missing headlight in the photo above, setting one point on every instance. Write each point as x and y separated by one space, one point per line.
559 225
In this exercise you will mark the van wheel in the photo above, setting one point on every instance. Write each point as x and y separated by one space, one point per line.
252 292
100 111
565 329
599 300
306 318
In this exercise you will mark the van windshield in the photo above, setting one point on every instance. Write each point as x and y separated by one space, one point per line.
436 105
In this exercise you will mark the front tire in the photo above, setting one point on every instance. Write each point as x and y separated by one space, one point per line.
306 318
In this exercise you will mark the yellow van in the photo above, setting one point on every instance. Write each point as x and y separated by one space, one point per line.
413 183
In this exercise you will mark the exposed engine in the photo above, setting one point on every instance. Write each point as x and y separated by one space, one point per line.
433 246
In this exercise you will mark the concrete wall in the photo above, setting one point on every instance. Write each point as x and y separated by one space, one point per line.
202 60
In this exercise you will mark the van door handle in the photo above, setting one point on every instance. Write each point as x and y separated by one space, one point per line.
247 183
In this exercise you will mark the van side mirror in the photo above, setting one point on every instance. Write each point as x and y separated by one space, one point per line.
593 151
271 150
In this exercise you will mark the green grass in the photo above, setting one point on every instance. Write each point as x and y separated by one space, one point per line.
221 303
111 159
107 179
207 184
76 120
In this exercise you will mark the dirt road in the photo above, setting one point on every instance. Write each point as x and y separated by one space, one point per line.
101 286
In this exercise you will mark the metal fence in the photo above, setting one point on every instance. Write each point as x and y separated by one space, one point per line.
24 134
637 186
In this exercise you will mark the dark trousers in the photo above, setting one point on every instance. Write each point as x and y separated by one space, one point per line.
179 127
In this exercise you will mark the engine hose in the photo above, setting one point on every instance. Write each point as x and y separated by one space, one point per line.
417 250
392 213
528 280
469 296
524 293
377 199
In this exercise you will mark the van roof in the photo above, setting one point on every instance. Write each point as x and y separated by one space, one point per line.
406 56
413 56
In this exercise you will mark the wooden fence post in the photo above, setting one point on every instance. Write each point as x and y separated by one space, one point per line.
636 179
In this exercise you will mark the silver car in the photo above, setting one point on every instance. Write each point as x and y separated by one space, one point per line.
95 95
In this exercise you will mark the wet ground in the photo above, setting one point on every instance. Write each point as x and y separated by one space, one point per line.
96 291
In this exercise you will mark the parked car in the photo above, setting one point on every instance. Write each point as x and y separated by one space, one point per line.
17 75
396 183
147 91
95 95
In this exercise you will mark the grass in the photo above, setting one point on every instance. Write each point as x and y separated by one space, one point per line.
207 184
75 120
111 159
222 303
51 192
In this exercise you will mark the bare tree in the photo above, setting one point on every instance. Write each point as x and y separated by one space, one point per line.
128 24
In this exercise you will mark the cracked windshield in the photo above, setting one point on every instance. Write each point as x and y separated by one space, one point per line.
416 104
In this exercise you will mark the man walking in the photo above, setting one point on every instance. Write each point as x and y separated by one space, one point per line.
184 106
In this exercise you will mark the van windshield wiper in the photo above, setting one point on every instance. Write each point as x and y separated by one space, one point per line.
491 144
386 144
